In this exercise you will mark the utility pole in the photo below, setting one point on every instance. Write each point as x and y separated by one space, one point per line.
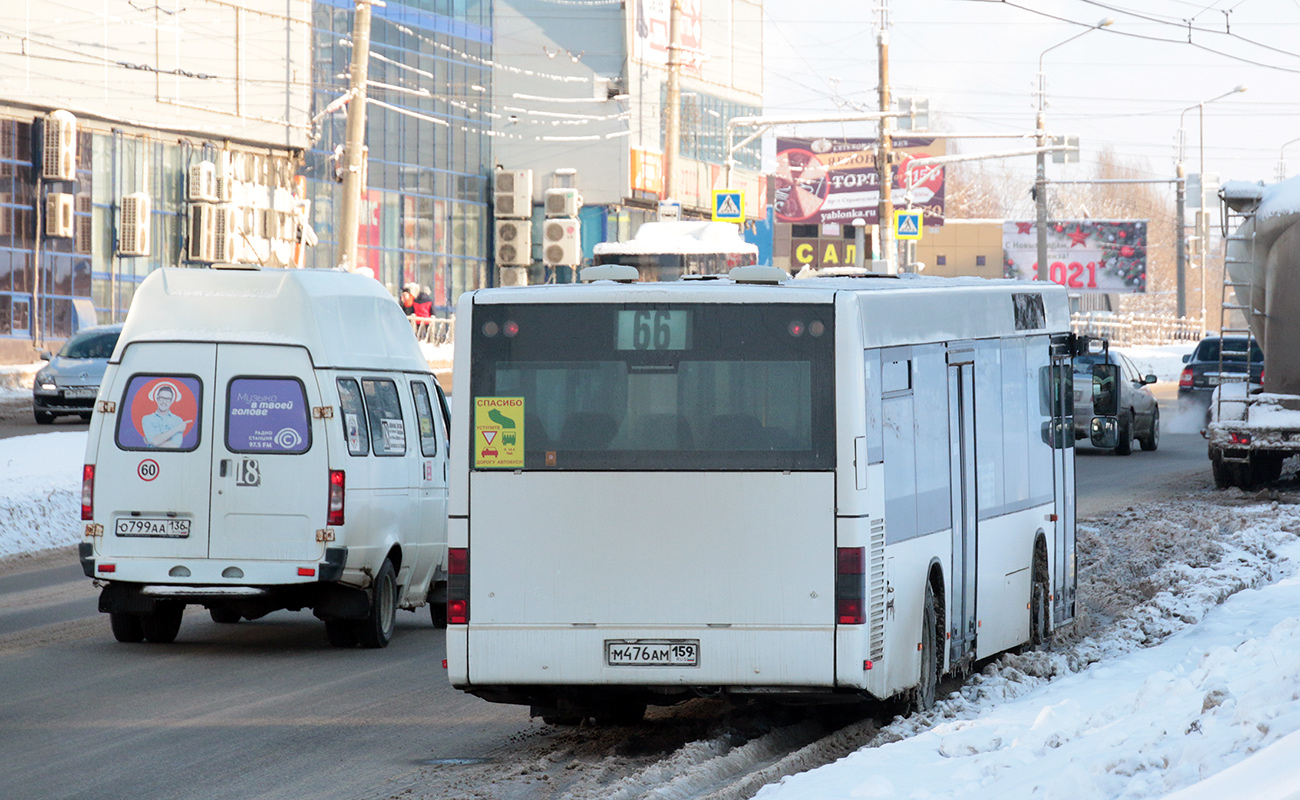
673 101
1040 178
885 171
1180 212
354 142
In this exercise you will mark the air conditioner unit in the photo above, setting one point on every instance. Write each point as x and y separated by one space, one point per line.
133 234
224 233
514 242
224 185
58 215
211 232
203 182
561 243
563 202
513 193
59 156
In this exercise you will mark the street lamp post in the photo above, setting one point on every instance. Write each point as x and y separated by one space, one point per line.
1281 159
1040 179
1181 204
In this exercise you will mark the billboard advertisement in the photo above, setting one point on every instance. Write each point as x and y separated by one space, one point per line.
824 180
1085 255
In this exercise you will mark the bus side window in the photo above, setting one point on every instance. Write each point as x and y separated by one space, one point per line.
355 429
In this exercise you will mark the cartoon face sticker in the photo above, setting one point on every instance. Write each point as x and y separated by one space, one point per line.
161 412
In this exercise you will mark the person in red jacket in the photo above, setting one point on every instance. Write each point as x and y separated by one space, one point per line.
423 300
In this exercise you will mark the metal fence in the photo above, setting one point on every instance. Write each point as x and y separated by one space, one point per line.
434 330
1129 330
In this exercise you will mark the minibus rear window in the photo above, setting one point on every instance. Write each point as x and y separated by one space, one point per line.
160 412
267 415
653 387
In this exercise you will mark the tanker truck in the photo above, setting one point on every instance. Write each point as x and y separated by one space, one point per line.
1253 429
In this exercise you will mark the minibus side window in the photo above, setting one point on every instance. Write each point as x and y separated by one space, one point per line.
160 412
384 410
267 414
355 429
424 412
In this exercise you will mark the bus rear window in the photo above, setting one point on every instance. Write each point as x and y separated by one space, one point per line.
654 387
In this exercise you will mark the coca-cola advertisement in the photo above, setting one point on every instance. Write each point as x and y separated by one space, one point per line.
827 180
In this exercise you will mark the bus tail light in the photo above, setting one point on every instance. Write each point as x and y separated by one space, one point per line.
457 585
88 492
337 486
850 585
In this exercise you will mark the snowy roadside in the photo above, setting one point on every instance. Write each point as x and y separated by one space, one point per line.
1186 661
40 491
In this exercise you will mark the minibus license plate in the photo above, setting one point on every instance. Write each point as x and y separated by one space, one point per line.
151 526
652 652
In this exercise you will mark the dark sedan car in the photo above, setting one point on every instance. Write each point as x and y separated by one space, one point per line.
1204 370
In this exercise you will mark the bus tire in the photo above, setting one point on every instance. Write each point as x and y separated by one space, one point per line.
928 685
126 627
1039 613
162 625
341 632
376 629
438 614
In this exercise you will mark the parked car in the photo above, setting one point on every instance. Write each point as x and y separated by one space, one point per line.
1204 370
70 383
1139 413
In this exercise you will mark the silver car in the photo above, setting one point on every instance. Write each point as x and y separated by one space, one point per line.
1139 413
69 383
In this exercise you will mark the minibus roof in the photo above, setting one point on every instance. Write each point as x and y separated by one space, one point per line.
342 319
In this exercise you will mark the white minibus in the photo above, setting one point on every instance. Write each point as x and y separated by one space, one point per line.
821 489
262 440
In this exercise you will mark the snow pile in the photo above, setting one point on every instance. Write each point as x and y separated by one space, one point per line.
40 491
1164 361
1194 679
18 377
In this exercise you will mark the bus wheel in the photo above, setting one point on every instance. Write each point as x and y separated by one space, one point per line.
438 614
929 683
341 632
126 627
164 623
1038 612
376 630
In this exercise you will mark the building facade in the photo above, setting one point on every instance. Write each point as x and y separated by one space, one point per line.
178 134
581 89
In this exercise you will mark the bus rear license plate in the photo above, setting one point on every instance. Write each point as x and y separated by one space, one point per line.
153 526
652 652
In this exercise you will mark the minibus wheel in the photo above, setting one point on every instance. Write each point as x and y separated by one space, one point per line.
126 627
376 630
161 626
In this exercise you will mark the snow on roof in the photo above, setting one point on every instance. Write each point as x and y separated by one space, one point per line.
344 320
681 237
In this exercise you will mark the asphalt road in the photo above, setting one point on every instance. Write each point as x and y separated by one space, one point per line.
267 709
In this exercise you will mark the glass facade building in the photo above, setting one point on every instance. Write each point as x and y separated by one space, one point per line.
428 129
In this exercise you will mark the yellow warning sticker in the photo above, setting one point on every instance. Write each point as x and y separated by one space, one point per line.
498 432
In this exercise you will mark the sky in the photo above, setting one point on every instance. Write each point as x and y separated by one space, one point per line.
1121 87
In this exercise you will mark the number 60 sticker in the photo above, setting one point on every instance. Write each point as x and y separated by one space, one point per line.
148 469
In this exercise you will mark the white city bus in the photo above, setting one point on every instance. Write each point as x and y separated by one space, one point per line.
828 487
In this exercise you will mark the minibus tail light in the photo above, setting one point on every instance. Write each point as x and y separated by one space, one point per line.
850 585
337 484
88 492
458 586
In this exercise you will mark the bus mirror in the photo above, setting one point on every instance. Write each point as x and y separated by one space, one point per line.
1103 432
1058 434
1105 390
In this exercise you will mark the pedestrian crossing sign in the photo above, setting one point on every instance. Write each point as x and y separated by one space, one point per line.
907 224
728 206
